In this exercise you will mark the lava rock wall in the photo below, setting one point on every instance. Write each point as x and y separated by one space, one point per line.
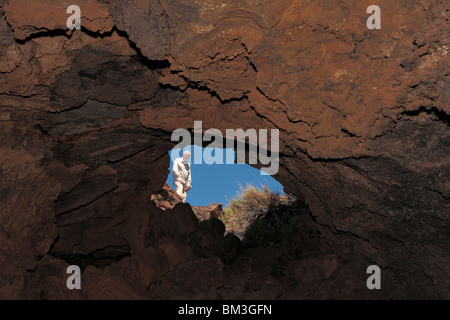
86 118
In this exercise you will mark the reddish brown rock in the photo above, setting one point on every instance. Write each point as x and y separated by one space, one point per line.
49 282
176 250
106 285
85 124
28 17
166 198
214 210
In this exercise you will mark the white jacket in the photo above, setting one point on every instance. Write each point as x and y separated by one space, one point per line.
181 170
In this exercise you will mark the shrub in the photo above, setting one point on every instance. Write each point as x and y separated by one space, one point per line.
244 213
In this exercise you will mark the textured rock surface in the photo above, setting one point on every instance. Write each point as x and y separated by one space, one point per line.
85 124
214 210
167 198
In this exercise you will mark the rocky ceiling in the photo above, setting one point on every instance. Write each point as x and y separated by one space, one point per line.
86 118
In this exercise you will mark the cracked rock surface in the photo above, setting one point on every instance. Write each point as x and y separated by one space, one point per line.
86 118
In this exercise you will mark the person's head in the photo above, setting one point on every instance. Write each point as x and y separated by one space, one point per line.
186 156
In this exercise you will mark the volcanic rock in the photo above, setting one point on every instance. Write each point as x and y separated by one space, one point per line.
86 117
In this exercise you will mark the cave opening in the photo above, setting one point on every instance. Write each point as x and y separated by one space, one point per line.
114 144
219 181
251 204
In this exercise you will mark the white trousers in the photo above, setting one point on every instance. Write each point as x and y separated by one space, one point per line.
181 191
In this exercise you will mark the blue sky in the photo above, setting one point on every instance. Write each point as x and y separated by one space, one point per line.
219 182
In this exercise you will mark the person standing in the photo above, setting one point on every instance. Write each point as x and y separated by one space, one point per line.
181 172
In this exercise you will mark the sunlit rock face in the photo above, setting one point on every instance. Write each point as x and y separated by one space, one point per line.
85 126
